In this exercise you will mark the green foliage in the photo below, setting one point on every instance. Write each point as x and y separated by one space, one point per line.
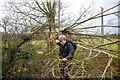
25 38
26 55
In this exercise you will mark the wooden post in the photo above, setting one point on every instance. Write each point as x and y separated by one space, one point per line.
102 28
59 17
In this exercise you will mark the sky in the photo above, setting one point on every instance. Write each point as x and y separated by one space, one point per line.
74 8
76 4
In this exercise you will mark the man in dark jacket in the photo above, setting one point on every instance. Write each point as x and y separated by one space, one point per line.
66 52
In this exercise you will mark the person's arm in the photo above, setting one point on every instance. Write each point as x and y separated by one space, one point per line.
71 51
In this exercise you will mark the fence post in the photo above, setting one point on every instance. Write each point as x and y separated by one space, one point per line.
102 28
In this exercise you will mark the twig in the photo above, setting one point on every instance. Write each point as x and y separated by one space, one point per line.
89 54
103 75
100 50
107 44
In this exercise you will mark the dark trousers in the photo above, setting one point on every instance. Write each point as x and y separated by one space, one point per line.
64 69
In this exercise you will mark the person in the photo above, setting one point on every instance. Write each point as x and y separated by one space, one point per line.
66 52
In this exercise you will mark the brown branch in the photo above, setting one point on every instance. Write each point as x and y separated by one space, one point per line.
110 54
93 17
41 9
80 17
107 44
108 14
98 26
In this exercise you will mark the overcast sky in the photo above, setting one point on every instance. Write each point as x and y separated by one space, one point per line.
74 6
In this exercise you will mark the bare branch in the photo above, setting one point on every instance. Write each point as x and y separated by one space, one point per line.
107 44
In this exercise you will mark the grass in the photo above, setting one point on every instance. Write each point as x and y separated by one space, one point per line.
42 45
39 45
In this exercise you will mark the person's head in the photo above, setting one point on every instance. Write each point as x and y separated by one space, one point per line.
62 39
